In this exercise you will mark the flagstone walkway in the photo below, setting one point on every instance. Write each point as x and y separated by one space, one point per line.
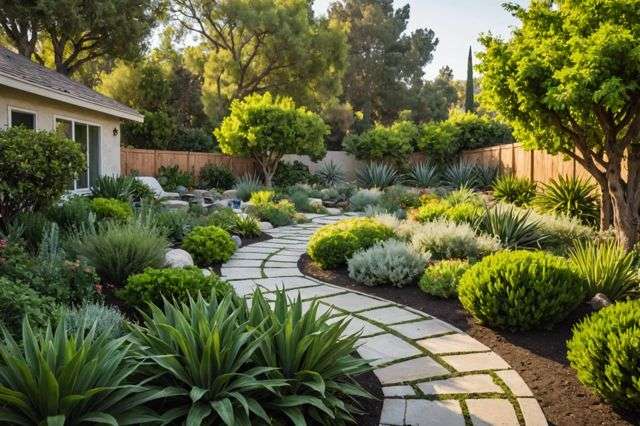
431 372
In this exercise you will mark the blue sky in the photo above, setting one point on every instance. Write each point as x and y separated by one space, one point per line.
457 23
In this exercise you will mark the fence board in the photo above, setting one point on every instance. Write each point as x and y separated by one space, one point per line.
147 162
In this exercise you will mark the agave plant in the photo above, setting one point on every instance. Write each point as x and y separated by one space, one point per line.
606 268
315 358
423 175
573 197
118 187
79 379
486 175
247 185
377 175
460 175
330 173
515 229
203 350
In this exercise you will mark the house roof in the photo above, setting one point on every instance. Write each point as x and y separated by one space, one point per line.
20 73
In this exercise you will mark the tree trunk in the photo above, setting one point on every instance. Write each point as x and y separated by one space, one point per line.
606 208
626 219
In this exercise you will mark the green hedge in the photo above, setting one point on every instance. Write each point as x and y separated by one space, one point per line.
209 245
521 290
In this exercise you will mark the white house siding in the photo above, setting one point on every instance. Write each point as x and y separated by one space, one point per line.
47 110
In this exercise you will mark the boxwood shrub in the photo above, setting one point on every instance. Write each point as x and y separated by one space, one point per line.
605 352
332 245
111 208
521 290
442 278
209 244
178 284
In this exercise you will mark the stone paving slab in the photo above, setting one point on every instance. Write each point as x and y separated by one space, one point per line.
423 361
492 412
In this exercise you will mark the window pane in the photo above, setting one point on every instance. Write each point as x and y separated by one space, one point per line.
26 119
81 134
94 154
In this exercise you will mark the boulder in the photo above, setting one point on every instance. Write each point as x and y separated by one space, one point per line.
265 226
230 193
333 210
599 301
237 240
178 258
176 205
206 272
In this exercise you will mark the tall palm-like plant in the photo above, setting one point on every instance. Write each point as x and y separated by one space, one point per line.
79 379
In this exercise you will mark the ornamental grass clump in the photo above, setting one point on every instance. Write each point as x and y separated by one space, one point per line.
514 190
606 268
209 245
390 262
442 278
448 240
521 290
574 197
332 245
514 228
605 353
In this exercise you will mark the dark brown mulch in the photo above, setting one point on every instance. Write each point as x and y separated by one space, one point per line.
539 356
371 408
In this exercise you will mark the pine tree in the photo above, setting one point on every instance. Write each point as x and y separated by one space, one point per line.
469 102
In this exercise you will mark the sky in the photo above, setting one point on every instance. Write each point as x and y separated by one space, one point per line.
457 24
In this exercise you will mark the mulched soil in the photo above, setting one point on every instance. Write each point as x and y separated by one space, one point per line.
371 408
539 357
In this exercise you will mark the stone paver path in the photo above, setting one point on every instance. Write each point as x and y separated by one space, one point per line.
431 372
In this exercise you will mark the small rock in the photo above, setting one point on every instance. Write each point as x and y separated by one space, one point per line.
175 205
180 189
332 210
599 301
230 193
206 272
237 240
178 258
265 226
315 202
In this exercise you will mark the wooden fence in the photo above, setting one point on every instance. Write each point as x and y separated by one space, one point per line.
147 162
535 165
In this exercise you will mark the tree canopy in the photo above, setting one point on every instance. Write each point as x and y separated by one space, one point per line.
67 34
250 46
266 128
568 81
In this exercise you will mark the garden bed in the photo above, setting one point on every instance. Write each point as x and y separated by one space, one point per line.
538 356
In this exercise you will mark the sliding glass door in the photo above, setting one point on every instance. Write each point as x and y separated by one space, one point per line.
88 137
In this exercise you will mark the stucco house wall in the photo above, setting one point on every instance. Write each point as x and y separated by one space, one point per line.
47 110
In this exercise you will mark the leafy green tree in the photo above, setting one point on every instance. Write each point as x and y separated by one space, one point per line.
469 98
388 144
436 97
257 46
568 81
75 32
266 128
385 62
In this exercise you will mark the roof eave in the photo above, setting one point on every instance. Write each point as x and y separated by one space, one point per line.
52 94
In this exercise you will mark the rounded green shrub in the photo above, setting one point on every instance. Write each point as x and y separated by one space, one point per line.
605 352
111 208
332 245
209 244
18 300
172 283
442 278
215 176
521 290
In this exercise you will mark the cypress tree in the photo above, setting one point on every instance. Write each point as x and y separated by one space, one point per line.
469 101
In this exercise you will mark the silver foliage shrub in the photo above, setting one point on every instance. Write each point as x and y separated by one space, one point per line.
390 262
365 197
448 240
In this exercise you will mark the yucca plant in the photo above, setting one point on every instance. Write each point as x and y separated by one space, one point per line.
574 197
486 175
247 185
606 268
82 378
423 175
515 229
315 358
118 187
515 190
377 175
330 173
203 350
